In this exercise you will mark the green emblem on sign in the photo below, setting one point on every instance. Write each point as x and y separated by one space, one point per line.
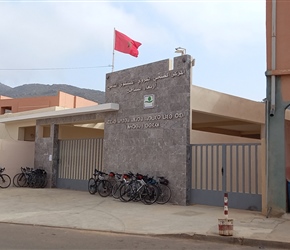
149 101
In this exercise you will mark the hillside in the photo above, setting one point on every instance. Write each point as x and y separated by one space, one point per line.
36 89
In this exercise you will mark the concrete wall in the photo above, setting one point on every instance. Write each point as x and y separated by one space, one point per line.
16 154
152 140
81 102
25 104
3 97
204 137
70 101
213 102
282 34
11 130
72 132
278 96
287 148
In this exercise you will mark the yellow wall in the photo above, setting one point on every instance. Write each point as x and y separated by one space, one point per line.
10 131
72 132
197 137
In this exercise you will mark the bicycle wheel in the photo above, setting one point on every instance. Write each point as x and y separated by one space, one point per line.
126 192
5 180
149 194
32 181
164 194
104 188
43 181
38 181
116 190
92 186
15 180
21 180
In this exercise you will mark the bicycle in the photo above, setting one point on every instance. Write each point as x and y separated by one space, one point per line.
93 182
15 178
104 187
21 179
164 191
37 178
99 183
138 189
5 179
120 179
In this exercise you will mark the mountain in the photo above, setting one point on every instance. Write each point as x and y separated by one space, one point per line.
37 89
4 88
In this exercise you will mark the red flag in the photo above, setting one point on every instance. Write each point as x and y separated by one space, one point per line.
125 44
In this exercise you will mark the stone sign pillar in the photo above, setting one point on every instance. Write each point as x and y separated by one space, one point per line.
46 153
150 134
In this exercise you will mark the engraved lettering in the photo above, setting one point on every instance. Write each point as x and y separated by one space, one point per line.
178 115
137 119
134 126
167 116
113 121
152 125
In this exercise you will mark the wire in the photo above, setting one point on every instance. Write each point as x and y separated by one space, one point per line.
67 68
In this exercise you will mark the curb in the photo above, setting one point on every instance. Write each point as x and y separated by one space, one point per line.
231 240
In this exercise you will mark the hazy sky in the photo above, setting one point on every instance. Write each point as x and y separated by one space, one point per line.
226 38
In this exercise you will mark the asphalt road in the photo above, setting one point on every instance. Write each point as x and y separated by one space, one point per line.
13 236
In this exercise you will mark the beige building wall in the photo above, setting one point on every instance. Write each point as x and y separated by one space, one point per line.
205 137
12 131
213 102
73 132
81 102
16 154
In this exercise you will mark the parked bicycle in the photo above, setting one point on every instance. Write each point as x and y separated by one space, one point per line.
131 187
139 189
93 182
99 183
30 178
5 179
119 180
37 178
164 191
19 180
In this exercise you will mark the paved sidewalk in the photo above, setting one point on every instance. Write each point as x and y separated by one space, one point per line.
77 209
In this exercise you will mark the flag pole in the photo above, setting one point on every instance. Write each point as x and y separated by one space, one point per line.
113 59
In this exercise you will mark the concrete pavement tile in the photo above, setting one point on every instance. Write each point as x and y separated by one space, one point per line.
76 209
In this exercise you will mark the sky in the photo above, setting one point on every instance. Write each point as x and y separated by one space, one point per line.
71 42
